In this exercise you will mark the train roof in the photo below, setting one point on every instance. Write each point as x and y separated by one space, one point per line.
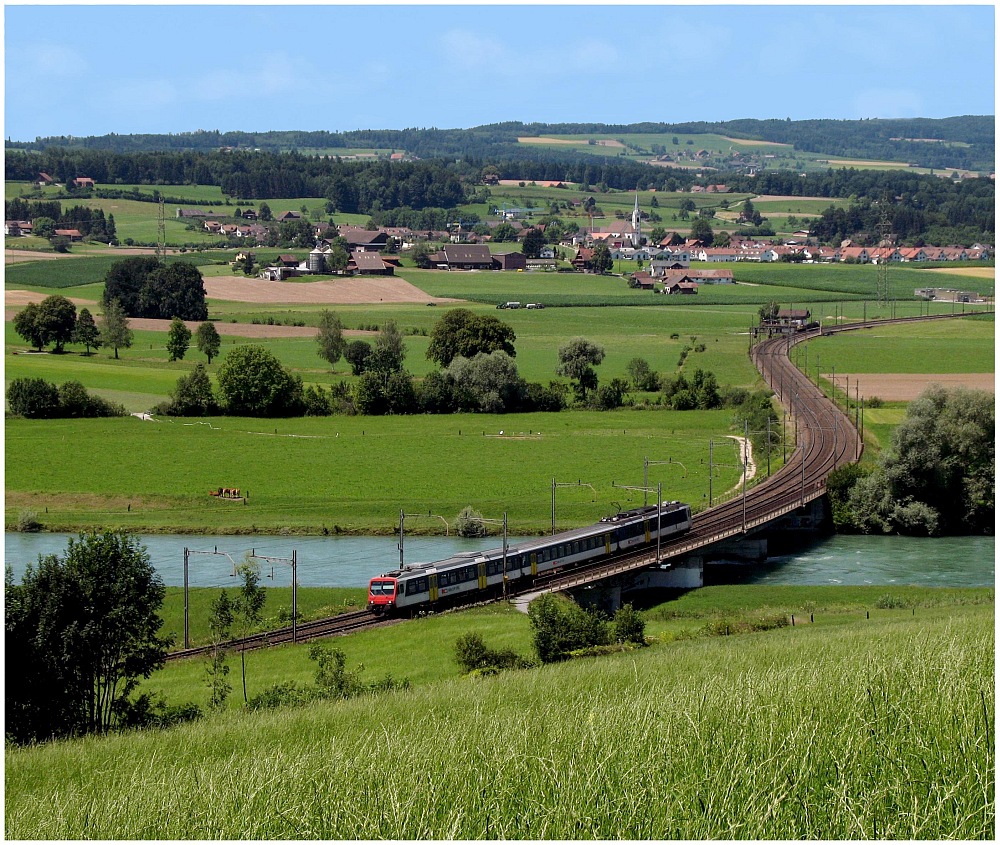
416 570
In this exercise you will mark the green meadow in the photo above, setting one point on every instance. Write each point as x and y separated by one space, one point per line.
354 474
852 727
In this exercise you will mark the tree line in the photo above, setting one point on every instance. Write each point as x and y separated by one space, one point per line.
966 141
425 194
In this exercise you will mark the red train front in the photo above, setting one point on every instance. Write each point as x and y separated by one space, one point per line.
382 594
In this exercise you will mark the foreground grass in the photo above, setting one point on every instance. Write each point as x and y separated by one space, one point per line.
877 730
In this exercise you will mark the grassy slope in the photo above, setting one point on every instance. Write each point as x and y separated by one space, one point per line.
879 728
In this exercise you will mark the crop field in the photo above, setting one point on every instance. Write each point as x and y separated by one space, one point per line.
354 474
878 728
965 346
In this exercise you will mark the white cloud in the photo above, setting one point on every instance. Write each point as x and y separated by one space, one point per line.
51 60
138 95
473 51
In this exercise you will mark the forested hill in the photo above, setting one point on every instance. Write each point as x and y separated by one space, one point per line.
965 142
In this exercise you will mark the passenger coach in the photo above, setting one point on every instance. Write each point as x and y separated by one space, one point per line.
464 575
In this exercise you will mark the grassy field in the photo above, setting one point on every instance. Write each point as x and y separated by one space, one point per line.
965 346
361 470
869 728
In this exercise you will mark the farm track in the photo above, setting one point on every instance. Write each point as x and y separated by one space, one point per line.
827 439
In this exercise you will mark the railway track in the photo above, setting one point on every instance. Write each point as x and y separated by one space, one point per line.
826 439
332 626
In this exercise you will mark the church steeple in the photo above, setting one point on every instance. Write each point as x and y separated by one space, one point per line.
636 222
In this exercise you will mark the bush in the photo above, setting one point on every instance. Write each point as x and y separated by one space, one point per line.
148 711
890 602
472 655
629 626
27 522
33 398
560 626
469 523
281 695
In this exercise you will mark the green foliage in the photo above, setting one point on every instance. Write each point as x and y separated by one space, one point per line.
488 383
193 396
35 398
577 357
80 631
174 290
220 624
560 626
151 712
472 655
86 331
247 607
839 485
125 280
462 332
51 321
253 383
116 333
532 242
629 626
330 337
178 339
469 523
641 375
601 262
208 340
938 476
356 353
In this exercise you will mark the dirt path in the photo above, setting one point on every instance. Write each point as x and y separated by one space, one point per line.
350 290
746 454
905 387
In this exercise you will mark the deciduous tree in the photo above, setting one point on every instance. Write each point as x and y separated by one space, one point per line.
330 337
463 332
577 358
174 290
253 383
86 331
208 340
81 630
178 339
115 333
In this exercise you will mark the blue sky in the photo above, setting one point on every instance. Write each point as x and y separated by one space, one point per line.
92 69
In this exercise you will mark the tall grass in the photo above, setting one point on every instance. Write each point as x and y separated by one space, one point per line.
882 730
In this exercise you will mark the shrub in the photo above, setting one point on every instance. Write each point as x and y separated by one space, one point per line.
629 626
890 602
469 523
472 655
27 522
33 398
561 626
148 711
281 695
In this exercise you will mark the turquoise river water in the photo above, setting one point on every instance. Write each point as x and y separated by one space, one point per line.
352 561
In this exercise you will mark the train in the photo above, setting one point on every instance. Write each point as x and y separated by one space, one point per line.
467 576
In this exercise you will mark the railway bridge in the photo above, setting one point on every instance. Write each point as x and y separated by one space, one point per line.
826 439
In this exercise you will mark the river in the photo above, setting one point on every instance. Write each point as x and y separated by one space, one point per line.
352 561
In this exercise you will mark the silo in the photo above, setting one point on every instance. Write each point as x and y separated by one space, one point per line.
316 262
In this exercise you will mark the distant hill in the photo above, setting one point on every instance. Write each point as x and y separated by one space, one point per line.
966 142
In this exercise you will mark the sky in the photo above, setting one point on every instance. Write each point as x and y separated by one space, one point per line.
90 69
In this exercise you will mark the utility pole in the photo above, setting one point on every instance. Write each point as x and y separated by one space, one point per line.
567 484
